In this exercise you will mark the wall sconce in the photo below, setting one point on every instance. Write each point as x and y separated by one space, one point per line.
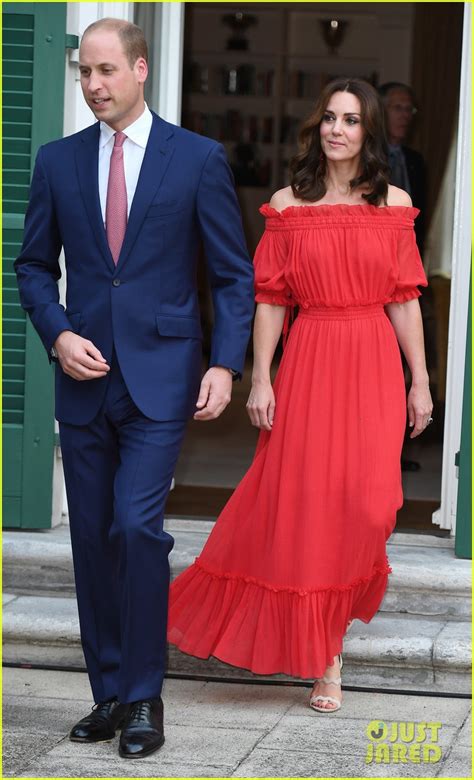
239 23
333 33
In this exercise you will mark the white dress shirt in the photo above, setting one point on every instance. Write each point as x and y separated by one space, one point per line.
133 152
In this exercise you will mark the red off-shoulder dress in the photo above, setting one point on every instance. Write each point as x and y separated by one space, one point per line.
300 547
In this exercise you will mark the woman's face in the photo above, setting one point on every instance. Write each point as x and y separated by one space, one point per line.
342 135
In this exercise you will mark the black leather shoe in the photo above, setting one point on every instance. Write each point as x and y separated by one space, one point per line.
142 732
101 725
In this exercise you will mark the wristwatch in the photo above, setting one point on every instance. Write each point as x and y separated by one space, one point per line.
234 374
53 353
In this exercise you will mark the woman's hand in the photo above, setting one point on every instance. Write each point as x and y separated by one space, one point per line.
261 405
420 407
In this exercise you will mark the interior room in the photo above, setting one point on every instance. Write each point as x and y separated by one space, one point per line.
251 74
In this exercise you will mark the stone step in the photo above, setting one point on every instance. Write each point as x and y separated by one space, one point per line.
392 652
427 579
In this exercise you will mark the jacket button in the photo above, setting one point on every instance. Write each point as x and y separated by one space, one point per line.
116 282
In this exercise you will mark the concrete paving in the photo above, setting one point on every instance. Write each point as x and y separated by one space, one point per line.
228 730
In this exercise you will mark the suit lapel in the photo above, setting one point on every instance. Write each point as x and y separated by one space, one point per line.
87 162
157 156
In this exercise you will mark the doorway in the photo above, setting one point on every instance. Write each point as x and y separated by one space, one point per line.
250 75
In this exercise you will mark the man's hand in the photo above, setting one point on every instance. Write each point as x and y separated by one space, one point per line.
215 393
79 357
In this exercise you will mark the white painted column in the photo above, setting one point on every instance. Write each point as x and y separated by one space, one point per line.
170 74
445 516
115 10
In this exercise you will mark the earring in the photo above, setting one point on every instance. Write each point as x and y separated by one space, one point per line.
321 157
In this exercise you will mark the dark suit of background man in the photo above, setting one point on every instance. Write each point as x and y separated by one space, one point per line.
130 212
407 165
408 172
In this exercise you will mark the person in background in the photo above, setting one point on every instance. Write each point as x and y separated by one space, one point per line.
407 166
408 171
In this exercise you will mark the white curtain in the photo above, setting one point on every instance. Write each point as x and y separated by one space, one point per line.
437 257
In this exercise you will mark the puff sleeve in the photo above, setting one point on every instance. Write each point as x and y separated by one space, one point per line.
411 274
269 265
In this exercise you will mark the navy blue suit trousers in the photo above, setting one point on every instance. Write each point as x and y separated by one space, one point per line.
118 472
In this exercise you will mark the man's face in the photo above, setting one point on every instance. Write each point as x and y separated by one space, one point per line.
399 113
112 89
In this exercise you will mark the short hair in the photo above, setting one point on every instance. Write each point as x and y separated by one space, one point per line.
384 89
131 37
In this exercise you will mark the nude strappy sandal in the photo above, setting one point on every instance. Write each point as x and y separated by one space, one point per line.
318 697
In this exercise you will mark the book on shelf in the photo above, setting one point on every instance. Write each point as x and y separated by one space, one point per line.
305 84
289 129
243 79
230 125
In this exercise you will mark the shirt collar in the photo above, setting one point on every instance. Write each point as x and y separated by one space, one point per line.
138 131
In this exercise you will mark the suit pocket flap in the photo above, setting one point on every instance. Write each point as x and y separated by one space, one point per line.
181 327
165 209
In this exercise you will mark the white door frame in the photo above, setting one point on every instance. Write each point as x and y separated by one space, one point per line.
171 62
445 516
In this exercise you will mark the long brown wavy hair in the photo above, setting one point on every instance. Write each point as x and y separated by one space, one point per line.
308 167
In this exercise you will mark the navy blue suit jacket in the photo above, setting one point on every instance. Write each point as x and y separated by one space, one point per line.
147 305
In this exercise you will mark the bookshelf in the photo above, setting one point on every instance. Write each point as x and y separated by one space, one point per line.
254 100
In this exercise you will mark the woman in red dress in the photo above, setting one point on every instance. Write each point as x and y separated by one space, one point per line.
300 548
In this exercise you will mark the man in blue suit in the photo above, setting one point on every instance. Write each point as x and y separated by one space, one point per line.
130 199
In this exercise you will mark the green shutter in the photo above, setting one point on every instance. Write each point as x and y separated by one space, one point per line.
33 96
463 543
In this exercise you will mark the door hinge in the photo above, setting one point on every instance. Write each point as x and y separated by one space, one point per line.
72 41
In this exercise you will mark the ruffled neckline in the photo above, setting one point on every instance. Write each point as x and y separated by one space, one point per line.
343 208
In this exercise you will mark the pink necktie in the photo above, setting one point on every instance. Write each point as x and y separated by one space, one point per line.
116 206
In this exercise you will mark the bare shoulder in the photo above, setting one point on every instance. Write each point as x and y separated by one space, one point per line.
282 198
397 197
